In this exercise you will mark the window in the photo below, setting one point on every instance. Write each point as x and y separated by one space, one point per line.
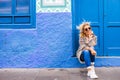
17 14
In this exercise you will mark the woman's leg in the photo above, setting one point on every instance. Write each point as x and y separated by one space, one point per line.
87 57
92 57
93 68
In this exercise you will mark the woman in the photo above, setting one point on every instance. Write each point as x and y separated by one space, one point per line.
86 52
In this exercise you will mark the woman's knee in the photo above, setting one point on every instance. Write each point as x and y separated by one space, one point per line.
86 51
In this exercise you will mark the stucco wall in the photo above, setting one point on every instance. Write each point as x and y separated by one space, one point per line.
49 45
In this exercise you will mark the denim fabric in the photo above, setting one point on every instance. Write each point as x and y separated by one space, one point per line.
88 57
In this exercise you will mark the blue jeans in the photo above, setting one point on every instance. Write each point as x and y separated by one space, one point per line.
88 57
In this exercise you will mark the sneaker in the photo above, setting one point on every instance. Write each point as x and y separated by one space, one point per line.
92 74
89 70
88 74
93 70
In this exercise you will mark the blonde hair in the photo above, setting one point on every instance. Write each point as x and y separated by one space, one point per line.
81 28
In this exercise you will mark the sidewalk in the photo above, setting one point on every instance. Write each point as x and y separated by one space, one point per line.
104 73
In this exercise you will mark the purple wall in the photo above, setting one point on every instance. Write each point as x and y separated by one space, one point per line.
49 45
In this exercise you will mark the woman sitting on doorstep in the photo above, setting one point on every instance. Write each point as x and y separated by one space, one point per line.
86 52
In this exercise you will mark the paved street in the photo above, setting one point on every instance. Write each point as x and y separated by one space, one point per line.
104 73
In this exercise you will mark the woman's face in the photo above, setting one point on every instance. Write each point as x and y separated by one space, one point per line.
87 30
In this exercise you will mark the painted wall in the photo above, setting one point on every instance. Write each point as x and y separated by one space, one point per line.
47 46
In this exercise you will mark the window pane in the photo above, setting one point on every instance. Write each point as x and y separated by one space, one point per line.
22 6
5 20
22 19
5 6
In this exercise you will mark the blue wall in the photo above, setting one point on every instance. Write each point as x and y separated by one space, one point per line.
47 46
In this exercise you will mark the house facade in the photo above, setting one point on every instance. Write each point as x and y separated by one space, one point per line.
43 34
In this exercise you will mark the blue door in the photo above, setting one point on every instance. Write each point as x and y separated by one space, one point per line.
112 27
104 16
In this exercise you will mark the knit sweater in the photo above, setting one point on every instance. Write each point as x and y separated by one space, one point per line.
83 43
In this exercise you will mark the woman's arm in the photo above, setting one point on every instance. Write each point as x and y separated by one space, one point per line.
82 43
93 41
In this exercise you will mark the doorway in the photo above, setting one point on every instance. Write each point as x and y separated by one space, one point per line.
104 16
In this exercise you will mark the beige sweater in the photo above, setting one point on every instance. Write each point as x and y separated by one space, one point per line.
83 43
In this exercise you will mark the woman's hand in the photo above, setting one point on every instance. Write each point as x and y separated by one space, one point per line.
87 48
93 52
90 35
